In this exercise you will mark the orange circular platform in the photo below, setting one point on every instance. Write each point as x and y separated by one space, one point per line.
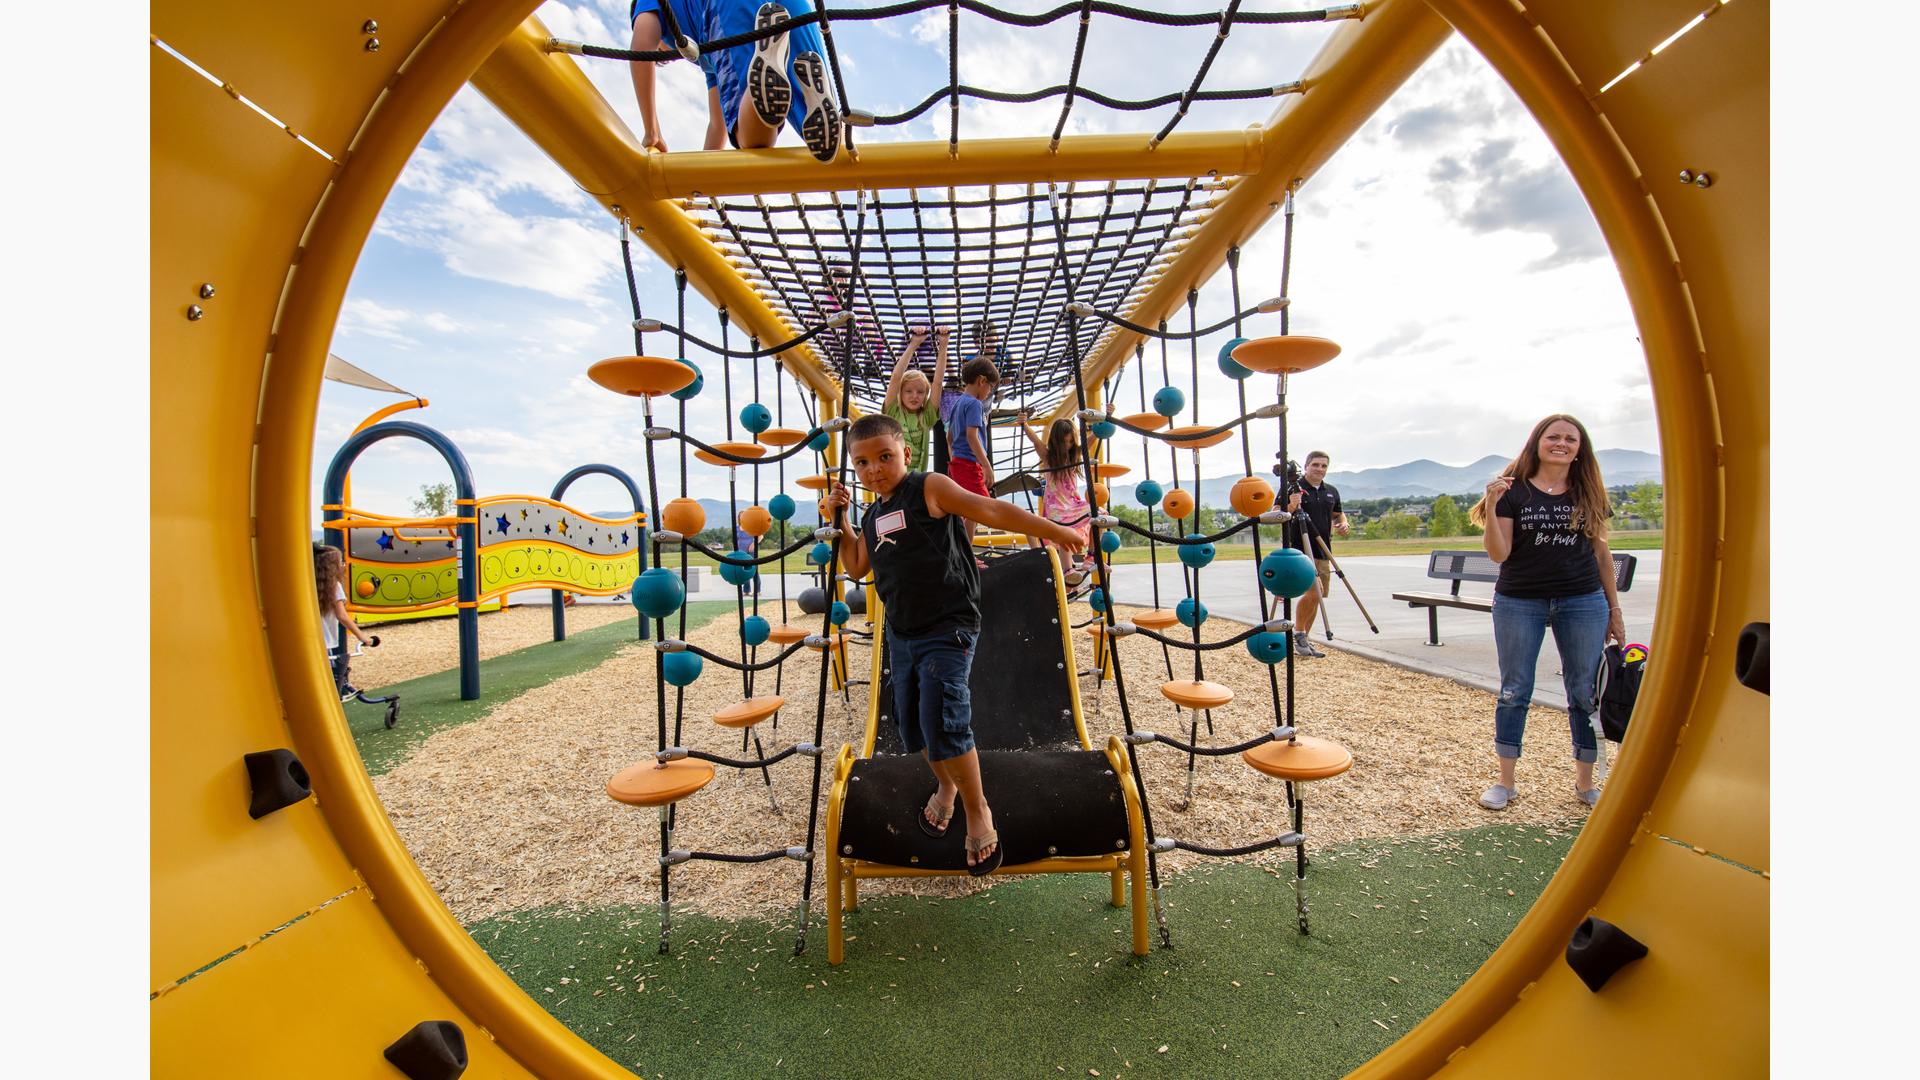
653 784
787 634
749 712
1196 694
781 436
1107 470
1291 354
737 449
641 376
1304 758
1146 421
1155 620
1189 437
814 483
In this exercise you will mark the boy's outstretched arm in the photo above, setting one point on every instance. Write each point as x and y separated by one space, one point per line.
950 498
980 455
646 36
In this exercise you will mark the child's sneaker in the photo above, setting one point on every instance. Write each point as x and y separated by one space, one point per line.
821 128
767 72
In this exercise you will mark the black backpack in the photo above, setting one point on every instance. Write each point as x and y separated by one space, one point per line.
1617 686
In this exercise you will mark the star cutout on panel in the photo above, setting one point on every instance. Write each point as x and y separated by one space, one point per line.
563 526
386 541
623 538
523 513
589 541
502 520
549 530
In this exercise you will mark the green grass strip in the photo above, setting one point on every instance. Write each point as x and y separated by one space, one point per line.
432 703
1035 978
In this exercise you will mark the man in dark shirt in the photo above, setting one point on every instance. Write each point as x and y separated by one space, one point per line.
1321 503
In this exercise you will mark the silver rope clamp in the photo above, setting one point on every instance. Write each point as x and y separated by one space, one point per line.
830 534
859 118
671 753
675 857
1282 733
806 749
671 645
1346 11
659 434
1106 521
1273 304
1162 844
839 319
1275 516
799 854
1270 411
562 45
647 326
1094 416
1138 738
1277 626
1122 629
668 536
689 48
1294 87
816 641
838 423
1080 308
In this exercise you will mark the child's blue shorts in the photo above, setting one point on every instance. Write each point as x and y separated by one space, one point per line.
730 17
932 702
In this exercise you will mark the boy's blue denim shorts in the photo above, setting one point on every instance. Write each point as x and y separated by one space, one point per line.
932 702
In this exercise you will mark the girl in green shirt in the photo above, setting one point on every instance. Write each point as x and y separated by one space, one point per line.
910 398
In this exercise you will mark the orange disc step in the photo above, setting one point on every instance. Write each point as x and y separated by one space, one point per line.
1145 421
1189 437
641 376
1196 694
749 712
1155 620
814 483
653 784
787 634
1291 354
1107 470
782 436
737 449
1304 758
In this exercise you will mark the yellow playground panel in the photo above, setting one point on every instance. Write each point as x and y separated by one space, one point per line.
339 946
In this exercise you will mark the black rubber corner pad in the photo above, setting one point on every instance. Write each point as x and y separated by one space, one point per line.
1599 949
278 779
1750 657
432 1050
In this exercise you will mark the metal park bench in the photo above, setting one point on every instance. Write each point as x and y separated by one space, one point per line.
1459 566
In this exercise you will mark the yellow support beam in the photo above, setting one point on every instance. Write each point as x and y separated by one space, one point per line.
547 96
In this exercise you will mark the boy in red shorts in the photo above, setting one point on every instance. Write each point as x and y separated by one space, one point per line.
971 468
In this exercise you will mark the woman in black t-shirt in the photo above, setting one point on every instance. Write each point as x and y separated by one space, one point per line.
1545 522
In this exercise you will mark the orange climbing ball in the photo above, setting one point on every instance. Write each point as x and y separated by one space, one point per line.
1178 503
364 588
1251 496
756 521
684 516
1099 493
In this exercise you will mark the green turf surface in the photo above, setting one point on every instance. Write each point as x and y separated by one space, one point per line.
432 702
1035 978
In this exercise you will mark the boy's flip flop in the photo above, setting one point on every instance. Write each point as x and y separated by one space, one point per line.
767 72
992 862
821 128
933 807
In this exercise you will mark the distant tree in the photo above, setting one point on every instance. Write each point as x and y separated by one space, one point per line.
1647 501
1445 518
1394 526
434 500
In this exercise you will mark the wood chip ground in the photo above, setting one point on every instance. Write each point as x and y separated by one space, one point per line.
509 812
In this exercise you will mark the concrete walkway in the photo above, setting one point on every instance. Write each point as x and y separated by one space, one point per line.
1231 589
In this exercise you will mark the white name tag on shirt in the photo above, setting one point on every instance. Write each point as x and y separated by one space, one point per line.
887 524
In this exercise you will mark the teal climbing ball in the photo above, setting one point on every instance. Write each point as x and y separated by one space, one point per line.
839 613
1287 572
1169 401
1190 612
1097 600
1147 493
1268 647
820 554
1104 429
781 507
819 442
756 418
1196 555
1109 541
692 389
754 630
658 593
737 568
681 668
1231 368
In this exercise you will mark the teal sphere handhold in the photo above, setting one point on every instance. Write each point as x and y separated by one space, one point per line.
737 567
1169 401
1190 612
755 630
820 554
1104 429
1287 572
1231 368
1268 647
839 613
756 418
1097 600
819 442
1196 555
1109 541
681 668
692 389
657 593
781 507
1147 493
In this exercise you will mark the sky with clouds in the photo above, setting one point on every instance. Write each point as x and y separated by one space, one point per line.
1444 247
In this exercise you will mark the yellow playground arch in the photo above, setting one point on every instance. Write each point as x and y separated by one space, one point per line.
339 945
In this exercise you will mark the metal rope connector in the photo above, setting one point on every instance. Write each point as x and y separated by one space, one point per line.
1273 304
668 536
1080 308
830 534
806 749
839 319
815 641
799 854
1276 516
859 118
1162 844
659 433
1094 416
647 326
671 753
838 423
671 645
1106 521
675 857
1278 626
1122 629
1346 11
1283 733
1138 738
689 48
1271 410
1294 87
562 45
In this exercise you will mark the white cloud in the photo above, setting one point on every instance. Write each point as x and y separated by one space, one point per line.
476 238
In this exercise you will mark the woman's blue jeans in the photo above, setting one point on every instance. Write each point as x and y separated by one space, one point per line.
1579 625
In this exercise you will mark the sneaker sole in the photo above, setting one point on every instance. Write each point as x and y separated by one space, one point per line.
767 73
821 128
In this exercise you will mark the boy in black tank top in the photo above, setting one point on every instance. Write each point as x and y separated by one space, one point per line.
914 538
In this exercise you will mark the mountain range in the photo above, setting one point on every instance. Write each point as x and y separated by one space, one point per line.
1430 479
